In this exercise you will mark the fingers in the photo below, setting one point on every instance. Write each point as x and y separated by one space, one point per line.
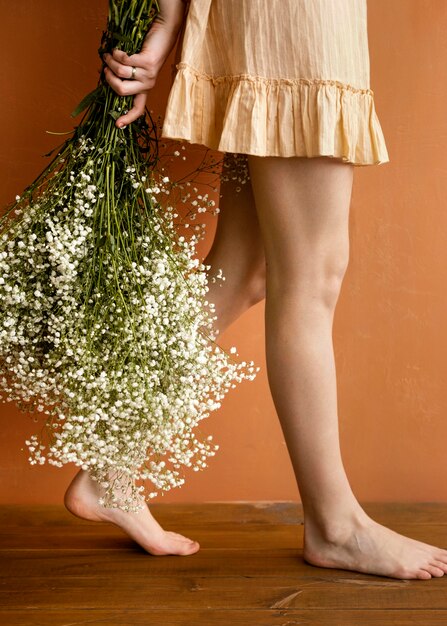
123 87
139 103
120 69
118 74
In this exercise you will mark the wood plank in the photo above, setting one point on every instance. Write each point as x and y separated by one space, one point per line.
103 536
108 536
207 562
136 562
228 512
57 569
151 617
123 590
187 513
224 618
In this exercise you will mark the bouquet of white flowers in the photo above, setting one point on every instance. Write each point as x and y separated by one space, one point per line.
104 323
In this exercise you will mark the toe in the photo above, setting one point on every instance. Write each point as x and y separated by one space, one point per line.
441 565
441 556
189 548
423 574
183 545
434 570
181 537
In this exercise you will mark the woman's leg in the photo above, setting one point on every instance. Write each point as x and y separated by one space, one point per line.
303 208
238 250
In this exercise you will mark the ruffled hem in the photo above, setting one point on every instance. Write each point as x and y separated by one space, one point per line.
274 117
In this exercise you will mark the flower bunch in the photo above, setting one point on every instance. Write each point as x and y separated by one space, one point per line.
104 323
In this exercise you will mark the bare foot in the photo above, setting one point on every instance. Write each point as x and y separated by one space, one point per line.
81 499
365 546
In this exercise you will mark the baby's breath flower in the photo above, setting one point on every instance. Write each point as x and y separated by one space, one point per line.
105 325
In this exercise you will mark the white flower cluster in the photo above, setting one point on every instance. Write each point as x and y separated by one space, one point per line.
235 168
107 331
232 167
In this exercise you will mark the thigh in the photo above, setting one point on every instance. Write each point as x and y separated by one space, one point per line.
303 211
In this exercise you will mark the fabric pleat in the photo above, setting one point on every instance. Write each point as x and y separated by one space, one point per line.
276 78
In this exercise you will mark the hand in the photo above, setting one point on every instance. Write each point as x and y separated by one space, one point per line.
156 47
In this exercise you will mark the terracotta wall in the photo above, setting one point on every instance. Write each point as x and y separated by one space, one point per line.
390 333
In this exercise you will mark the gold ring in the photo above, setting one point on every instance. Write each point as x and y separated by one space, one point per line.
134 71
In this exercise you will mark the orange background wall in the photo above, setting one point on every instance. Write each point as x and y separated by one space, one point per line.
390 334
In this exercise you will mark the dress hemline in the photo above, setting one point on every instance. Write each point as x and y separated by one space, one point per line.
284 117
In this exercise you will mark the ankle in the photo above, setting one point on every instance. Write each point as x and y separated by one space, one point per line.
335 527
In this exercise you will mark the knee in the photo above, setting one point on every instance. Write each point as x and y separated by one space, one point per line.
329 280
256 282
316 279
329 277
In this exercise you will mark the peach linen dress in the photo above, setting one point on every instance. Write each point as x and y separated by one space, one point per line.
276 78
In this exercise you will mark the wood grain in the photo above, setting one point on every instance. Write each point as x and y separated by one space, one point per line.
56 569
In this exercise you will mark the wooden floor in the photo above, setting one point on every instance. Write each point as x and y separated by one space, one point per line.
57 570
